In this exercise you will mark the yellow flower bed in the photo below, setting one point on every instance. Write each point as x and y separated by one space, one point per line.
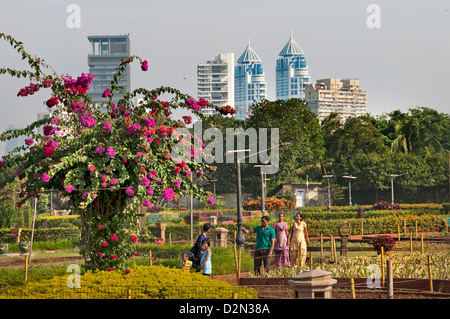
143 282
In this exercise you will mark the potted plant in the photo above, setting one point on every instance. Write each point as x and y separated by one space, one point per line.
24 244
385 241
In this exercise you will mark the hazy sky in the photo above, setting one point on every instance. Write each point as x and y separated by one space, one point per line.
402 64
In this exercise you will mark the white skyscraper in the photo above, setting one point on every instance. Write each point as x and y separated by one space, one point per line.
215 81
292 74
249 82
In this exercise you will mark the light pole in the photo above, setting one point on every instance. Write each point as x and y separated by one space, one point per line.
350 177
263 189
214 186
392 185
329 193
240 238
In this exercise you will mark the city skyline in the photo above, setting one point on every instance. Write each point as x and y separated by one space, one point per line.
402 64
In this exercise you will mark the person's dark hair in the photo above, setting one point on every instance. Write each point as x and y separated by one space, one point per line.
265 217
299 214
206 240
207 227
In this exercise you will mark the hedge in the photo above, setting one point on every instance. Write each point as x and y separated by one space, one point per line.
46 234
156 282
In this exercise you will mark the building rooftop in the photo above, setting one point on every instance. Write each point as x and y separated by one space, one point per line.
291 48
249 55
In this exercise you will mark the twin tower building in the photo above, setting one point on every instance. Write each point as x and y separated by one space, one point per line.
223 83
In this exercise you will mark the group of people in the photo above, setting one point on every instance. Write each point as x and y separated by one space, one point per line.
286 242
199 257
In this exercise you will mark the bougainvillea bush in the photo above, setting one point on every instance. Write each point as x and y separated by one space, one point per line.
107 158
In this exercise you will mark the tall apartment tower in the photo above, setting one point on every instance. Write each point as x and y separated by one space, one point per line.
249 82
103 60
215 81
292 74
344 97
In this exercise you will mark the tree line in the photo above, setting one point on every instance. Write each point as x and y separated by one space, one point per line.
413 144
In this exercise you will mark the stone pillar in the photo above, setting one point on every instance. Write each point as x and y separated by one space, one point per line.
220 237
344 232
213 220
313 284
162 230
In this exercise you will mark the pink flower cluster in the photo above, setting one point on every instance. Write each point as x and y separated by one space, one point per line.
80 85
51 102
168 194
144 66
87 120
29 90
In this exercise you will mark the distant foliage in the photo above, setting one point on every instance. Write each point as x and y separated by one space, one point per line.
383 205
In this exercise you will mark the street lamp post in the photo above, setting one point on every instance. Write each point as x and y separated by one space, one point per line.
240 238
349 188
392 185
329 193
263 189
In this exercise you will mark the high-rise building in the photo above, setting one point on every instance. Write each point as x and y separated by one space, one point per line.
344 97
215 81
249 83
292 74
105 57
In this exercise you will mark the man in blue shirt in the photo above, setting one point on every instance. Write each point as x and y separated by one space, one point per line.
265 242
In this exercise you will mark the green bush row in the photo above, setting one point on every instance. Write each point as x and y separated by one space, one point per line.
41 235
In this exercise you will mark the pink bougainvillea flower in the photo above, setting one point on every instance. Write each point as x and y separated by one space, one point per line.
176 170
114 237
107 93
91 168
211 201
146 203
106 127
133 129
52 102
145 181
152 174
188 173
129 192
167 194
133 238
113 181
149 190
104 244
45 177
110 152
177 183
85 195
149 122
78 107
187 119
100 227
69 188
110 269
87 121
48 150
100 254
113 257
29 141
144 65
99 149
137 254
127 271
193 104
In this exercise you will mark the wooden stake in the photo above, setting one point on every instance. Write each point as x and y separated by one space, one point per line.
404 226
150 257
321 247
310 261
26 267
398 229
300 255
410 243
128 293
382 266
430 275
421 243
390 289
362 227
416 228
352 287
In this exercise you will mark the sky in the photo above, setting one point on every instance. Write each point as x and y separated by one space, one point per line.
399 49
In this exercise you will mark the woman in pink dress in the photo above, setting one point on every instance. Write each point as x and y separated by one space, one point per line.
281 247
